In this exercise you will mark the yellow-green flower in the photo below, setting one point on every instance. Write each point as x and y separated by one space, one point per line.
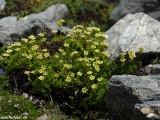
61 61
9 51
86 59
106 54
46 54
41 77
122 54
131 55
104 36
97 68
63 53
79 73
82 36
1 58
96 29
32 37
100 79
74 53
33 72
91 59
24 40
89 29
68 79
17 49
35 47
56 75
78 31
61 50
78 27
106 44
56 56
43 39
45 73
92 77
122 60
72 74
40 56
29 56
60 22
66 45
85 52
97 50
44 50
89 41
68 66
99 62
96 58
95 64
24 55
87 32
43 67
93 46
27 72
80 59
97 35
17 44
141 49
94 86
88 64
100 35
84 90
42 70
95 43
89 72
54 31
41 34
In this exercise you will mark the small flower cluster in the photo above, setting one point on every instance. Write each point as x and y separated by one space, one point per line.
131 55
84 52
18 54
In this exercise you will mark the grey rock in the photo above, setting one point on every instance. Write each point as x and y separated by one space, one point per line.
33 24
2 4
155 70
43 117
150 7
133 32
133 97
7 21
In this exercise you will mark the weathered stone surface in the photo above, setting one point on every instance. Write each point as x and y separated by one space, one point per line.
133 32
155 69
2 4
133 97
7 21
150 7
43 117
32 24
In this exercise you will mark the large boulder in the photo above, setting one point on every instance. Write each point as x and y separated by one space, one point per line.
32 24
2 4
133 32
7 21
150 7
134 97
